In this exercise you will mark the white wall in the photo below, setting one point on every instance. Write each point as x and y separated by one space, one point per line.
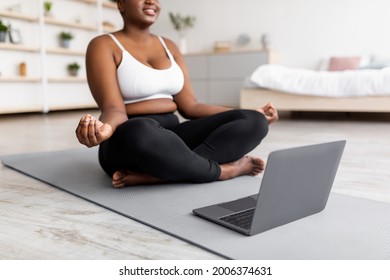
302 31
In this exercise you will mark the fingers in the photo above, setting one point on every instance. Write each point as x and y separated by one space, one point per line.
273 115
270 112
92 132
267 106
85 131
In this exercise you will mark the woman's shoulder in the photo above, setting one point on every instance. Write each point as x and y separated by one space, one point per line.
100 40
101 43
167 41
171 46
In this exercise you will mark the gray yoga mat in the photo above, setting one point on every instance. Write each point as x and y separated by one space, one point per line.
349 228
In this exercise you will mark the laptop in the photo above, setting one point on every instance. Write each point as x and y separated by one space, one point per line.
296 183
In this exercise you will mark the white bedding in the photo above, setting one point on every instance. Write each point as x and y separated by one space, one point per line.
362 82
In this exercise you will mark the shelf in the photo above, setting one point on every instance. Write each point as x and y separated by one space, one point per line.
18 16
107 29
53 21
109 26
17 79
16 47
229 52
85 1
67 80
64 51
110 5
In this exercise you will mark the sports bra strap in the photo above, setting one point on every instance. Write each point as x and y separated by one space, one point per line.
117 42
123 49
165 47
162 42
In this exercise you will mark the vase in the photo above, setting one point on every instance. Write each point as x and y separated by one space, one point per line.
64 43
265 41
3 36
73 72
183 45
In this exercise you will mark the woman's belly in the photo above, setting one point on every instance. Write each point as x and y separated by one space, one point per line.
153 106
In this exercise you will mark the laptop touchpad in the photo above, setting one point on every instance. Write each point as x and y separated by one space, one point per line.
239 204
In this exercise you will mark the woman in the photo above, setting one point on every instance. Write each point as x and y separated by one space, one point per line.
138 81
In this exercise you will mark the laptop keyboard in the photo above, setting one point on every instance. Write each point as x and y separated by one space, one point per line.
241 219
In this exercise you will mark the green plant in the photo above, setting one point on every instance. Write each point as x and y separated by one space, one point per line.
47 5
73 66
181 22
3 27
66 35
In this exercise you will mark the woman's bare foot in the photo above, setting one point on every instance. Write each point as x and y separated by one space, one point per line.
244 166
122 179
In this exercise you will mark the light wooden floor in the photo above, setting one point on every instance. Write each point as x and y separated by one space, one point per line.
40 222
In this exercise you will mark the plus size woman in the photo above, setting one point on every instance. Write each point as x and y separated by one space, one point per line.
139 81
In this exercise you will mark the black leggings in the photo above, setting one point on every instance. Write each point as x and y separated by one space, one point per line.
190 151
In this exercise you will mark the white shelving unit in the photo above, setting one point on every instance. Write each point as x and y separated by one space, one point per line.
47 85
17 15
14 47
18 79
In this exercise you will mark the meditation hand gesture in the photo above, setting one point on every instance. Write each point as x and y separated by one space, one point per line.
269 112
91 132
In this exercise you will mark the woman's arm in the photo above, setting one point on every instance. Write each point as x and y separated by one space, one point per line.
102 81
187 104
190 108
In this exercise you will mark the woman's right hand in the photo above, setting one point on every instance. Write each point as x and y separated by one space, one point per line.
91 132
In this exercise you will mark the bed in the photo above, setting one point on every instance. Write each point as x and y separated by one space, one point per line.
291 89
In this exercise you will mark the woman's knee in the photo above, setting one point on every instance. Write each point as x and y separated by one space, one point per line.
137 134
255 123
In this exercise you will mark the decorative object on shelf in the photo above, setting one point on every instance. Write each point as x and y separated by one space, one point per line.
73 69
243 40
265 41
4 29
14 36
65 38
108 25
23 69
78 19
222 46
181 25
16 8
47 5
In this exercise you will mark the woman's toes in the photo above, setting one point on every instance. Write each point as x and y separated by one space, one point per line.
117 180
118 186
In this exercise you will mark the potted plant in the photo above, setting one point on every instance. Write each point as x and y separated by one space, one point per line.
65 38
181 24
73 69
3 31
47 5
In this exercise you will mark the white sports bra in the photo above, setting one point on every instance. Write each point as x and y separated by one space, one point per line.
139 82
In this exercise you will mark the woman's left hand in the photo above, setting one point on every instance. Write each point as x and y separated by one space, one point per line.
270 113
